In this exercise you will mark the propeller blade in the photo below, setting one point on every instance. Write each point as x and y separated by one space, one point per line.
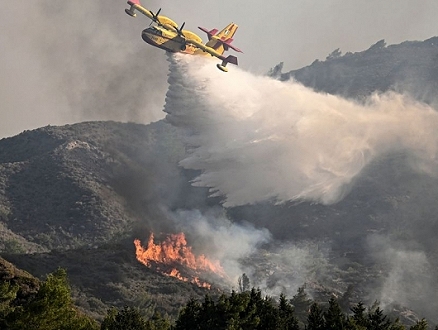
179 31
155 16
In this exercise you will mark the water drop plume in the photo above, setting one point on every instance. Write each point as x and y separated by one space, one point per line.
255 138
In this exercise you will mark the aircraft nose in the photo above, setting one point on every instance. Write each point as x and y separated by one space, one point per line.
144 36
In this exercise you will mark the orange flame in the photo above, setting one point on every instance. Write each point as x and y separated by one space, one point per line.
172 250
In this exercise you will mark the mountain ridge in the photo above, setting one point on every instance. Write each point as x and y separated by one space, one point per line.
409 67
76 196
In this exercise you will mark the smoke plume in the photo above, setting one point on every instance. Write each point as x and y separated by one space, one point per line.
72 61
212 233
409 277
255 138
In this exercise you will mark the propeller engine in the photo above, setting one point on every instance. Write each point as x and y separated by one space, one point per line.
179 31
181 34
155 17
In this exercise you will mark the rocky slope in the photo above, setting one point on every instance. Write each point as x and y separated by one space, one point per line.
410 67
76 196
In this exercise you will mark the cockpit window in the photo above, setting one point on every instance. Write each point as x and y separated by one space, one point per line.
153 31
157 32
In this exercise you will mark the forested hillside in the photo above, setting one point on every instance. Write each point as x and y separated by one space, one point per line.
77 196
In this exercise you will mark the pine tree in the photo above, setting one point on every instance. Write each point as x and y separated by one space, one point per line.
158 322
397 325
333 317
315 319
420 325
268 313
127 319
241 312
208 316
376 319
359 315
287 321
344 300
301 303
188 318
249 317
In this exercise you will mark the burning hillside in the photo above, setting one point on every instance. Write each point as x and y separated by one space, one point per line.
173 257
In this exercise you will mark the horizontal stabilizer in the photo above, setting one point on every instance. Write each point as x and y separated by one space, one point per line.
210 33
229 45
231 59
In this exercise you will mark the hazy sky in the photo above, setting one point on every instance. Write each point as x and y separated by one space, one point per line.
300 31
69 61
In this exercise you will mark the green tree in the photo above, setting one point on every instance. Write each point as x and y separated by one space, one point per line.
51 308
397 325
268 314
208 316
344 300
8 292
127 319
333 316
359 316
350 324
287 321
188 318
420 325
301 303
158 322
377 320
315 319
235 309
249 317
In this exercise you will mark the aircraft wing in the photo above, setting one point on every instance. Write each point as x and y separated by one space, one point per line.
206 49
136 5
225 60
164 21
228 44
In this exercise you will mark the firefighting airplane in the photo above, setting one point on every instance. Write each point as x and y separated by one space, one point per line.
166 35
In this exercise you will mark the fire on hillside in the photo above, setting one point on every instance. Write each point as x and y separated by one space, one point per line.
173 254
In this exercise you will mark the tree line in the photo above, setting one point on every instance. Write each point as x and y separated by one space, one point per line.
52 307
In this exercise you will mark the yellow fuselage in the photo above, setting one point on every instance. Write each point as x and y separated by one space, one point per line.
169 40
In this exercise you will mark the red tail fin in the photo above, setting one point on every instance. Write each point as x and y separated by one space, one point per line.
221 41
210 33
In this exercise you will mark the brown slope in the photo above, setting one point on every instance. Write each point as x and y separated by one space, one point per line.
84 192
84 184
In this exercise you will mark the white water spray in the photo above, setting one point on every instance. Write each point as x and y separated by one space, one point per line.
255 138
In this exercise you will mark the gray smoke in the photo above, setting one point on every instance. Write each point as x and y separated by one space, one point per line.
286 266
409 278
242 248
64 62
220 239
256 139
